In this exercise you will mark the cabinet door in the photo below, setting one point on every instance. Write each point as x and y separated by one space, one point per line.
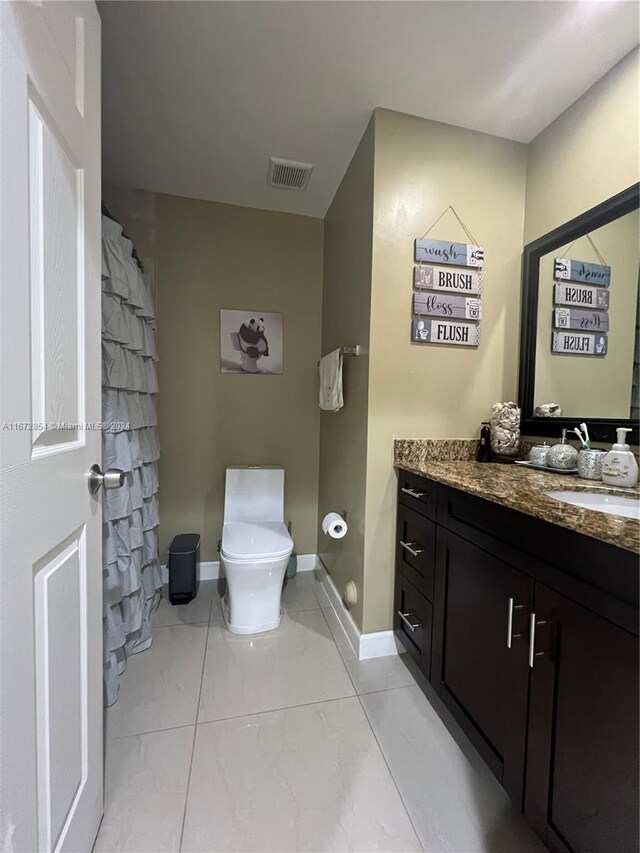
483 607
582 757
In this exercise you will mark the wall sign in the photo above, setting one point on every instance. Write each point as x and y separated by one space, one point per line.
445 332
578 343
447 280
574 318
448 288
598 274
586 322
443 305
443 252
581 295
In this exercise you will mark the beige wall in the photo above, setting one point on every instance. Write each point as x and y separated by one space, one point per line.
348 232
593 387
421 167
211 256
587 154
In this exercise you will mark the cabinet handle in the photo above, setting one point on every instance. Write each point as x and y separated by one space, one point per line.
533 654
413 493
406 618
412 551
511 608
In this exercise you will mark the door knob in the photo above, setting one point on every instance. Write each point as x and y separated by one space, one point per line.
113 478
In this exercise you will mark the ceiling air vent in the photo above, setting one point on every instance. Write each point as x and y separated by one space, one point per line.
288 174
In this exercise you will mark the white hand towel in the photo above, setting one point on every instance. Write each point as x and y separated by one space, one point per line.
331 382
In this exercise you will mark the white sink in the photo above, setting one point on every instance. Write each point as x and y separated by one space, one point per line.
627 507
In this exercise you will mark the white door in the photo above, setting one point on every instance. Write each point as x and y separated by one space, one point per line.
50 526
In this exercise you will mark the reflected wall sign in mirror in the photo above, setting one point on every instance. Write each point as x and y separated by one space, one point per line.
580 336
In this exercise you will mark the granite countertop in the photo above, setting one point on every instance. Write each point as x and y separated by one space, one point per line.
522 489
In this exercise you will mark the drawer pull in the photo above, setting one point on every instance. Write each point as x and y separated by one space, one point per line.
413 493
533 654
510 634
412 547
409 620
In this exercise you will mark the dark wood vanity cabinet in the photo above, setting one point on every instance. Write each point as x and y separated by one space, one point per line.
482 666
581 791
414 626
529 634
415 567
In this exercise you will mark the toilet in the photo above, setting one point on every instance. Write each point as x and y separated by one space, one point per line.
256 547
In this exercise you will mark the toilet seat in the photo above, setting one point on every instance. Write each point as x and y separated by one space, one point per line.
252 542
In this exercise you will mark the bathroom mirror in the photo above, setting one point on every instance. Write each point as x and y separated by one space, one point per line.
579 346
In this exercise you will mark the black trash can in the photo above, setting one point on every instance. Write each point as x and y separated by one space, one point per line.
184 568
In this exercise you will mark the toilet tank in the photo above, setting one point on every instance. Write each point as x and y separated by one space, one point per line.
254 493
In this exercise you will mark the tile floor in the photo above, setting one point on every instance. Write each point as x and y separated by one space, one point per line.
285 742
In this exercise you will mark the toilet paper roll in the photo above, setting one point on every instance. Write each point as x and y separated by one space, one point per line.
334 525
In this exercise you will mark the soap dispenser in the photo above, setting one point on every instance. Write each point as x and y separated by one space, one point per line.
483 453
619 467
563 456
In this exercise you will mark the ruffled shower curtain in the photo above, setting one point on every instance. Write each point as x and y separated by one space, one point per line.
131 568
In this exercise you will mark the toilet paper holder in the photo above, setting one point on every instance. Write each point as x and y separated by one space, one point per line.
335 525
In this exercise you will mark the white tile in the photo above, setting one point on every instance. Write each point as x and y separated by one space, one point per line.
369 676
454 805
386 673
299 593
323 597
309 778
160 686
145 788
180 614
295 664
216 617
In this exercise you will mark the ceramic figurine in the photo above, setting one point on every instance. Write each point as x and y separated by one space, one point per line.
505 429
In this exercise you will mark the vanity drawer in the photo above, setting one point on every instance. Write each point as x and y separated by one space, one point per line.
416 548
412 623
417 493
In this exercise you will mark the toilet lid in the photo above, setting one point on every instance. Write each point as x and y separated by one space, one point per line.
255 541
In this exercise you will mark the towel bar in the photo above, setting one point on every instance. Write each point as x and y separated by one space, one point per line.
350 350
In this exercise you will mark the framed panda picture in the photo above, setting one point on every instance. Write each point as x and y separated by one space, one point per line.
251 342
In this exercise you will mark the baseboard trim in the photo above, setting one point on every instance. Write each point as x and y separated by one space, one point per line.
211 571
307 562
334 601
377 644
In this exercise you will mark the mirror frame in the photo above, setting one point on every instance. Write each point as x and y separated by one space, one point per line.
600 429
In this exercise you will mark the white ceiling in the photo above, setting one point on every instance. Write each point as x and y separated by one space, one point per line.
198 95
